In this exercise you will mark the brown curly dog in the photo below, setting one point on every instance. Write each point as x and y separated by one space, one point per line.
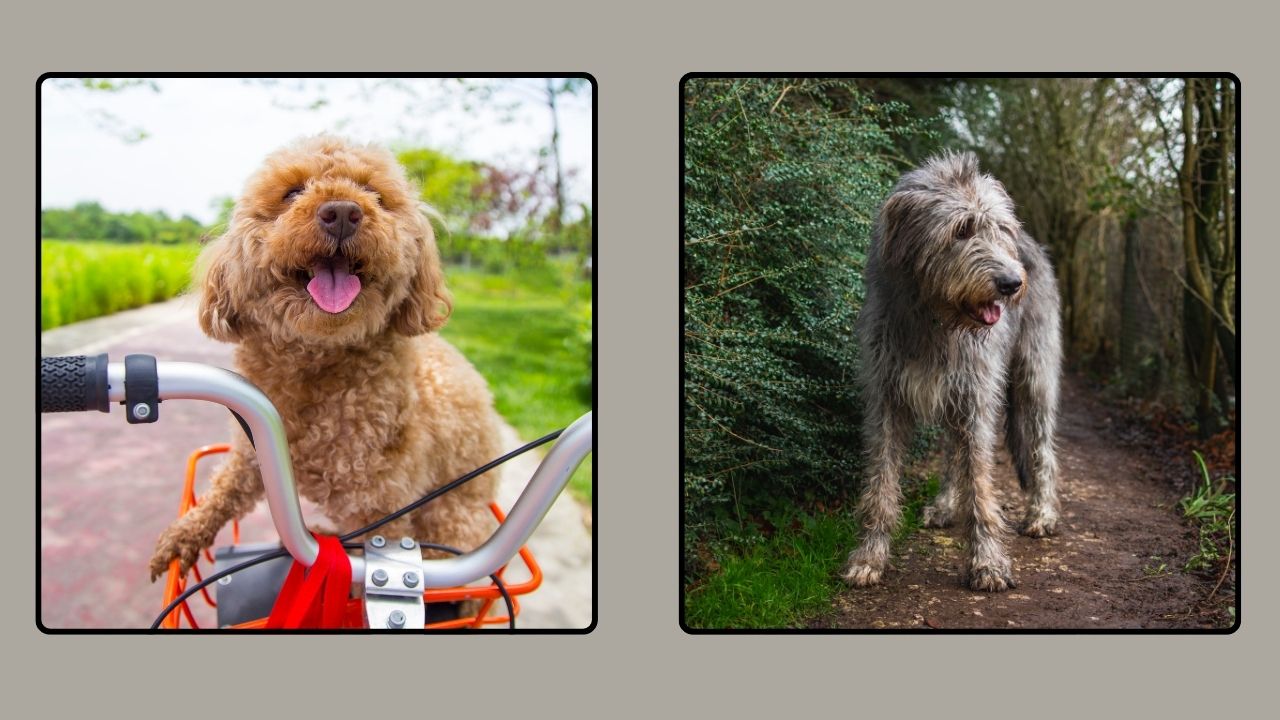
329 280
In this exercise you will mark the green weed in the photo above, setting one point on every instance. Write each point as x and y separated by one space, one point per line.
1212 510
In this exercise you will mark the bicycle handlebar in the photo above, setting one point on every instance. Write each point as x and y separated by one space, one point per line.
82 383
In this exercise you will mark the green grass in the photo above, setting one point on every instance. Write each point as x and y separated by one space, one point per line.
82 280
791 576
529 333
1213 511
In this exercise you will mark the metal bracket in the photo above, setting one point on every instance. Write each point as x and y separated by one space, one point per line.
141 389
393 584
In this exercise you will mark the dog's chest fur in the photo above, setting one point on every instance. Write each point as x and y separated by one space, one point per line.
347 428
945 369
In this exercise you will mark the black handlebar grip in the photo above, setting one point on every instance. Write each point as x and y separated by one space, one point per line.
72 383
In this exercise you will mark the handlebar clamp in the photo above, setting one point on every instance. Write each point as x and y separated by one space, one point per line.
141 389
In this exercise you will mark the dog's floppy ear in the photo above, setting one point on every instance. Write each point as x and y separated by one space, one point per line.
215 276
890 226
428 304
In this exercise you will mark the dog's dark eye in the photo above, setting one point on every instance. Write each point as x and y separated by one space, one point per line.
964 230
375 192
293 193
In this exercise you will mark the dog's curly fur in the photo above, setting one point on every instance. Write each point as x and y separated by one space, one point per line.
378 408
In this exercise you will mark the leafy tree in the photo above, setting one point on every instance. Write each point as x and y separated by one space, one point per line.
454 187
89 221
1131 184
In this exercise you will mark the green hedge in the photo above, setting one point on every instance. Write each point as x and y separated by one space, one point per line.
782 180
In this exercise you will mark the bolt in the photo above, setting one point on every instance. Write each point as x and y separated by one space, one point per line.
411 579
395 620
226 580
142 411
378 541
379 577
408 543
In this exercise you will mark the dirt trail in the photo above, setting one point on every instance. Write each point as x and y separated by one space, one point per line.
1119 525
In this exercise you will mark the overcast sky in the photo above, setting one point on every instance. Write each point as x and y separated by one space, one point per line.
204 137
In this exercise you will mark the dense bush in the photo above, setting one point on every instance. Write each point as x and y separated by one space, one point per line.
782 180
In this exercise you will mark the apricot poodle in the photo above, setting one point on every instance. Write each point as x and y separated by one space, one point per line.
329 281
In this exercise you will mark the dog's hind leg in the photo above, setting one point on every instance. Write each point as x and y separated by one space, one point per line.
886 433
1030 420
942 511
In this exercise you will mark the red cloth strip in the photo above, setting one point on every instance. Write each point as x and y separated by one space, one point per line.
315 598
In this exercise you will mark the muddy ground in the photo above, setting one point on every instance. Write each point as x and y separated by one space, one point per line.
1116 561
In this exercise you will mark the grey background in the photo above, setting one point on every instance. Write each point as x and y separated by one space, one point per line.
638 660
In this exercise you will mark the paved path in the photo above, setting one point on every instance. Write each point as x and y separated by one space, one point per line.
108 489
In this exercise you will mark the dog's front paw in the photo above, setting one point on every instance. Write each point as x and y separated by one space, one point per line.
992 578
858 574
180 542
1039 525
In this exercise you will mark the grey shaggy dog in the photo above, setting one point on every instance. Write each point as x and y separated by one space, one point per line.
960 323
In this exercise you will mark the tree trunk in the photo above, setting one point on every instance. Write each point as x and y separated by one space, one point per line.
1131 304
1200 340
557 215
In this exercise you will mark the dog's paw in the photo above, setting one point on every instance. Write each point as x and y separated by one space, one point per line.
321 527
862 575
992 578
1039 525
934 517
175 542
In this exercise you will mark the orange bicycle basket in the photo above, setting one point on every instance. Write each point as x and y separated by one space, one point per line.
176 581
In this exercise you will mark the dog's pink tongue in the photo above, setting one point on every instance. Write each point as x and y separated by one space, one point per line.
333 288
990 313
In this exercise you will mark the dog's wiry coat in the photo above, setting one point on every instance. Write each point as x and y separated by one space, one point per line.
960 323
378 409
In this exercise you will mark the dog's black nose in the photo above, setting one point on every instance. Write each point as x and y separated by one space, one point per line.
1008 284
339 218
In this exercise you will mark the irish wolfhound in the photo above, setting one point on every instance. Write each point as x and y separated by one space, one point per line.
960 322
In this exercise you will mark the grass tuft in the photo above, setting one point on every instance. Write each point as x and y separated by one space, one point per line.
1213 511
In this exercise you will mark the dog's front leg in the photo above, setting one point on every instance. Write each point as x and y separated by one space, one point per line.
236 488
977 509
885 433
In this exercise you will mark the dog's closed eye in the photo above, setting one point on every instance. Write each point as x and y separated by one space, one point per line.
375 192
292 193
